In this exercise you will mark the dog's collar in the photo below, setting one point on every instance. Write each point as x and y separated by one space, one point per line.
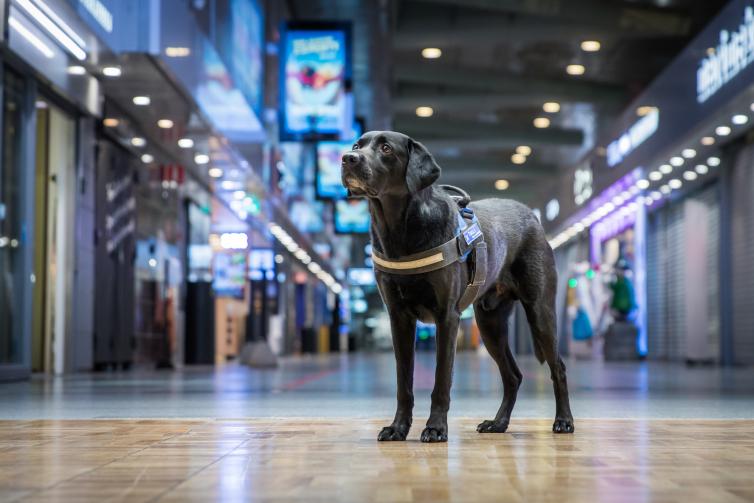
468 238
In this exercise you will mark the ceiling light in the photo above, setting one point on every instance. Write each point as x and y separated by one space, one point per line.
30 37
690 175
575 69
502 184
523 150
656 195
165 123
688 153
707 140
713 161
666 169
424 111
76 70
431 52
551 107
201 158
722 130
676 161
177 52
141 101
111 71
541 122
739 119
185 143
111 122
147 158
138 141
57 28
40 104
655 176
702 169
643 184
675 184
215 172
239 194
590 46
644 110
665 189
518 159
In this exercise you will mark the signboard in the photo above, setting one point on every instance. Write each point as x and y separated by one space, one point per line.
635 136
352 216
229 274
329 155
314 80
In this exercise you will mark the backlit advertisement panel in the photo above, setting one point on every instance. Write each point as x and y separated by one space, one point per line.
352 216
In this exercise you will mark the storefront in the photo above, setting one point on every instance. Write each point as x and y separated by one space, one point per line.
665 200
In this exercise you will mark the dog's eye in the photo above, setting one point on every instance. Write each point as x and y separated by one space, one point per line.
386 149
355 146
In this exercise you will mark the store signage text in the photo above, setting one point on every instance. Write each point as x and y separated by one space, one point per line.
631 139
734 53
582 185
100 13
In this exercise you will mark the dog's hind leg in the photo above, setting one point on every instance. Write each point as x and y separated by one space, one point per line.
493 325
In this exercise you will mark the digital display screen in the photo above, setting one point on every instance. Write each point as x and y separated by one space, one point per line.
315 74
362 276
329 155
229 274
262 259
352 216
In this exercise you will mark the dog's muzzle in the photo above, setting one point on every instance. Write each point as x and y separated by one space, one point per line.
354 172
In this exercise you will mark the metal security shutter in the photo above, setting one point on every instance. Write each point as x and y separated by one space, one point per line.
742 257
711 197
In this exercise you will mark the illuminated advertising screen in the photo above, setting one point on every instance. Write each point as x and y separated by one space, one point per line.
229 274
315 80
352 216
329 154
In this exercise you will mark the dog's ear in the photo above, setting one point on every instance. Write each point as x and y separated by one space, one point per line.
422 169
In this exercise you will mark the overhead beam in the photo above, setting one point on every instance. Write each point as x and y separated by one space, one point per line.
501 87
466 133
474 169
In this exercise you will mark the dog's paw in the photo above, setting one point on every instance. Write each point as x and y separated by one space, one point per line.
562 425
392 433
431 434
492 426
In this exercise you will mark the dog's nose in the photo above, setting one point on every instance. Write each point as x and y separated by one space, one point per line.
351 159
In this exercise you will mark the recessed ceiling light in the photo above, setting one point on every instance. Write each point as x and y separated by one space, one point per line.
111 122
239 194
185 143
690 175
523 150
590 46
147 158
688 153
642 184
141 101
431 52
551 107
665 189
541 122
666 169
111 71
675 184
424 111
215 172
676 161
702 169
201 158
138 141
739 119
165 123
713 161
502 184
518 158
575 69
644 110
707 140
722 130
655 176
40 104
76 70
177 52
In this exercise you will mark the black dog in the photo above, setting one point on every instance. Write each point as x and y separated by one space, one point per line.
410 216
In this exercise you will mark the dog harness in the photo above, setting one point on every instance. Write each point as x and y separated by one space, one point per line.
467 246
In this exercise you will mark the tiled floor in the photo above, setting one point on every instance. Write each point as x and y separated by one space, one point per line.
307 432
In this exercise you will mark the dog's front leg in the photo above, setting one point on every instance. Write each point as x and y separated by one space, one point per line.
403 327
437 424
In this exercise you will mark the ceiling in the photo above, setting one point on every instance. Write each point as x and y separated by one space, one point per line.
503 59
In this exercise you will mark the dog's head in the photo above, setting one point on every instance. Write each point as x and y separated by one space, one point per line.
386 162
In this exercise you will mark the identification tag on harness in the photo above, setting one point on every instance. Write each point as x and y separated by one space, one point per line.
471 233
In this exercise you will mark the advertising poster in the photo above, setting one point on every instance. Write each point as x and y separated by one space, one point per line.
229 270
329 155
314 81
352 216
